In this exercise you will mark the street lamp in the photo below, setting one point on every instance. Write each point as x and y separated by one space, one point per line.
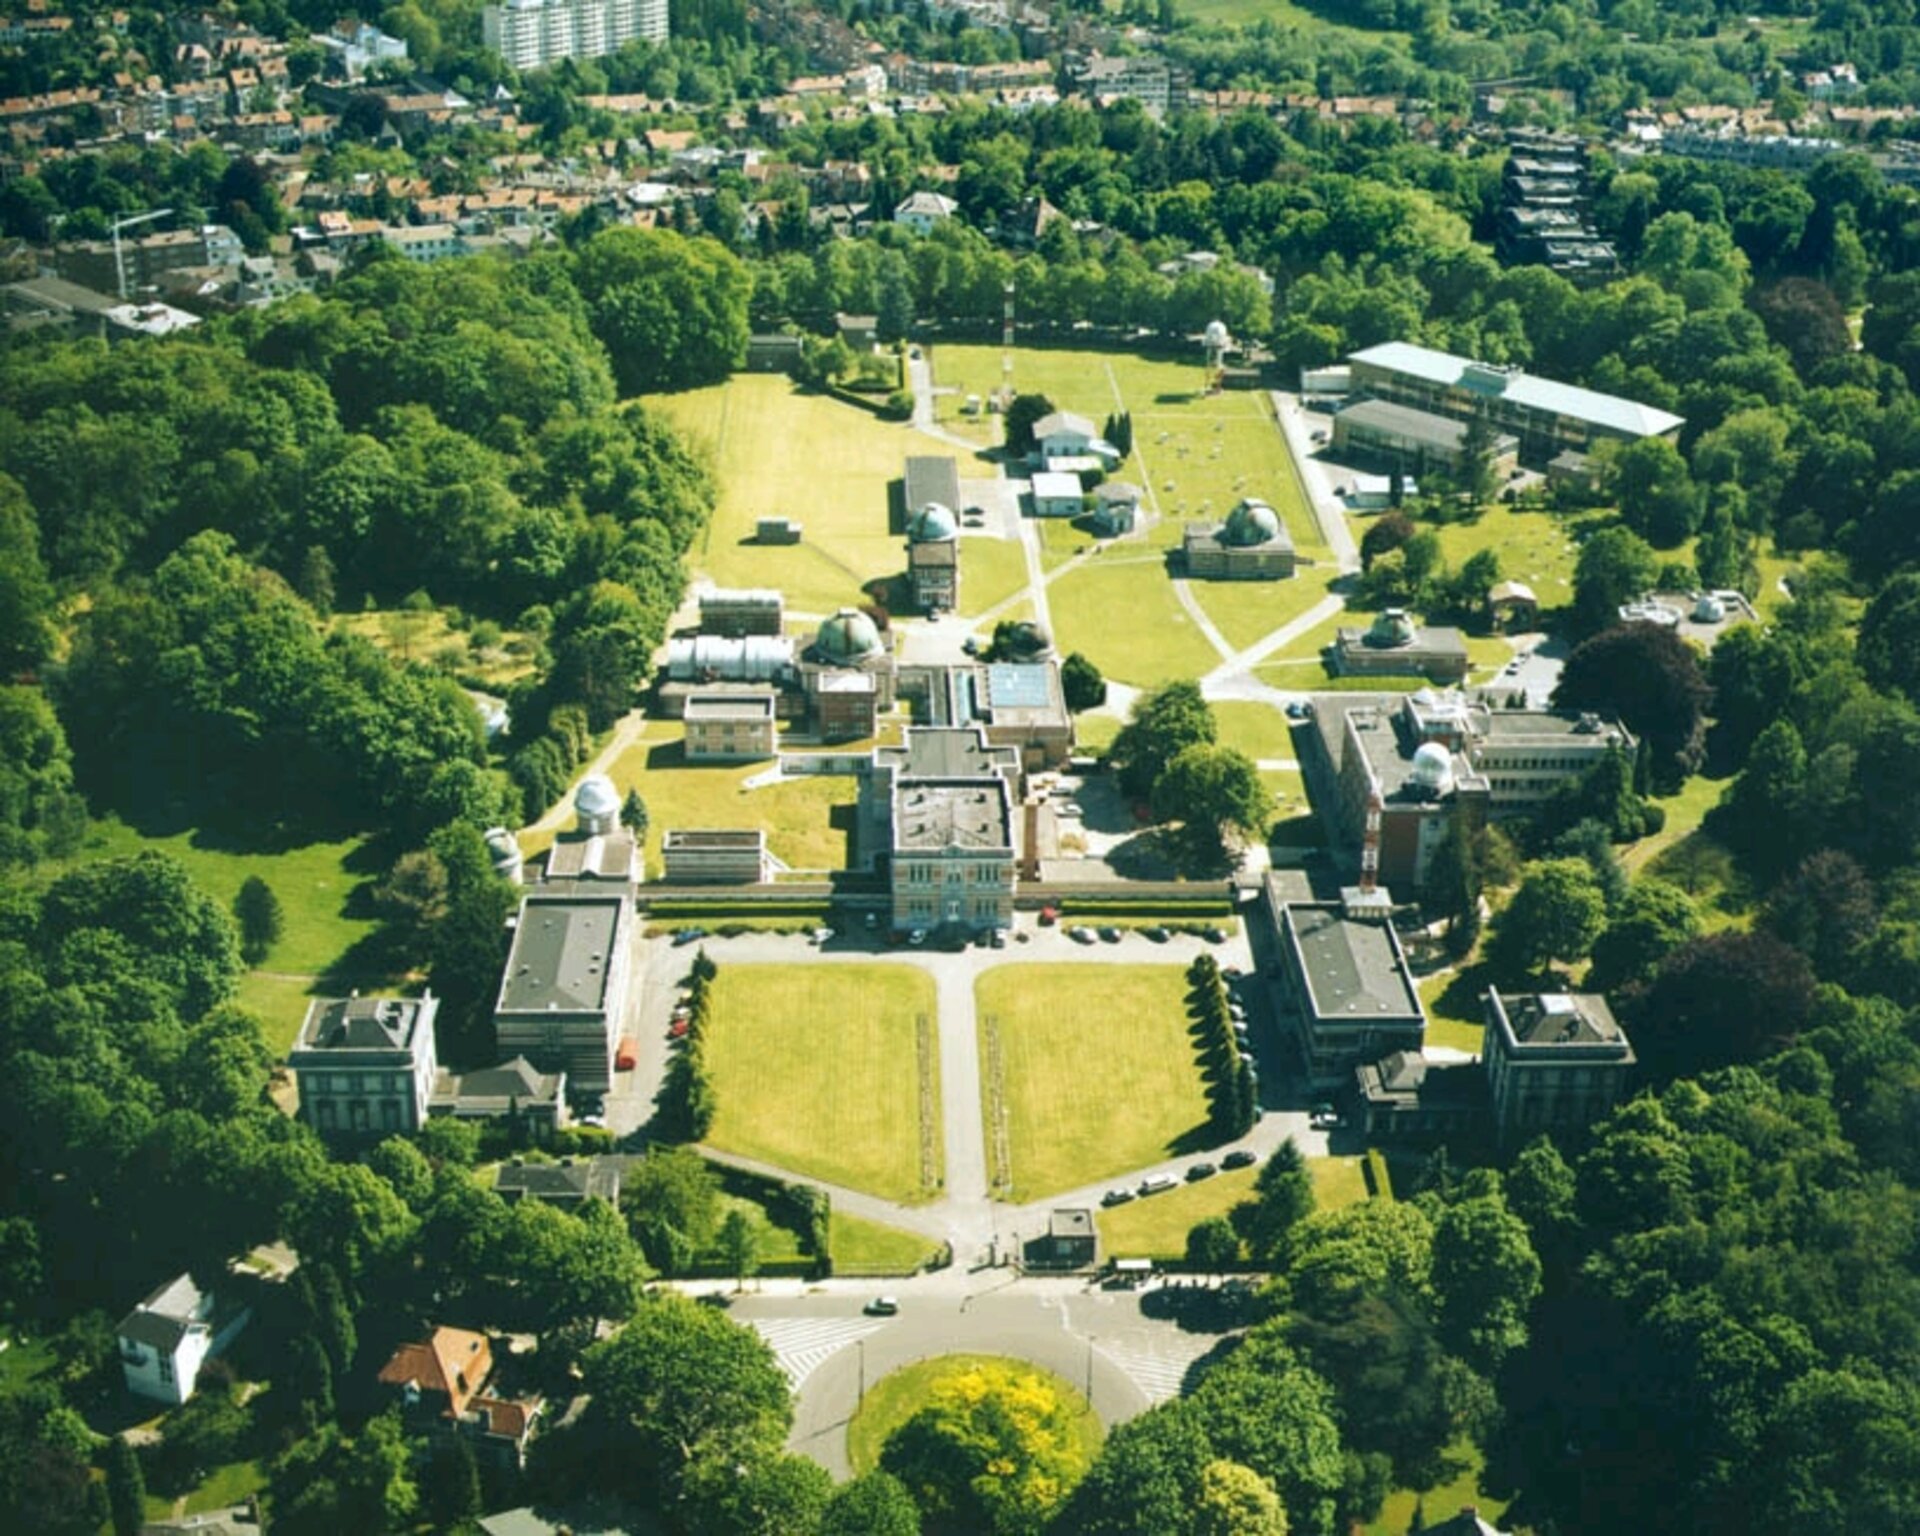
1090 1338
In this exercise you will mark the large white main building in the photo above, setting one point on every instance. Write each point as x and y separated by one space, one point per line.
532 33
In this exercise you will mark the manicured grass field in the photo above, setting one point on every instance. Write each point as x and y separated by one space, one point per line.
1337 1181
1442 1503
1539 548
1095 733
1248 611
321 900
1685 811
991 571
779 452
894 1399
1454 1016
813 1069
860 1246
1100 1071
806 819
224 1487
1259 730
1120 611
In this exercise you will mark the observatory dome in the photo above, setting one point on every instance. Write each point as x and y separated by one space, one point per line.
1218 338
1432 770
596 797
849 637
1391 630
933 524
1709 609
1252 522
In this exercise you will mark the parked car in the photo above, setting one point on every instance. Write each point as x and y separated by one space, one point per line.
1324 1117
1232 972
1157 934
596 1122
1110 935
1200 1171
970 646
1049 916
1158 1184
882 1306
1080 935
689 935
625 1056
998 938
918 936
1296 711
821 935
1240 1157
1215 934
677 1030
1116 1197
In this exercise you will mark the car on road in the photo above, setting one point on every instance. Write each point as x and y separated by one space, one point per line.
1117 1197
1110 935
821 935
1324 1117
882 1306
1156 934
970 646
1240 1157
1158 1184
1296 710
1049 916
1199 1171
997 939
689 935
1080 935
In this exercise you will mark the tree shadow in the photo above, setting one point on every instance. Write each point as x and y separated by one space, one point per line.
1194 1308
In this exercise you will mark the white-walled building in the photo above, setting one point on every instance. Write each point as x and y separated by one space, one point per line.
167 1338
921 211
531 33
364 1065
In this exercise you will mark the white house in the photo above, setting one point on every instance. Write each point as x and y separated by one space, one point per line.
167 1338
922 210
1116 508
1063 435
1057 495
365 1065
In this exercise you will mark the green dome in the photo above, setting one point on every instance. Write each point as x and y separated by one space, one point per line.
849 636
1250 523
933 524
1391 630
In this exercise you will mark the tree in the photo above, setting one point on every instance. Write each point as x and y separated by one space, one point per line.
1237 1501
257 910
1022 414
1216 793
1655 491
672 1198
1146 1477
1840 1451
1615 566
1555 915
992 1451
672 312
1654 918
1727 997
874 1504
1486 1276
1283 1197
1825 909
27 603
1263 1408
309 1382
41 813
414 894
1649 678
1385 533
1081 682
1161 725
1889 642
1213 1245
762 1494
126 1488
680 1384
740 1244
1473 469
452 1492
180 938
633 814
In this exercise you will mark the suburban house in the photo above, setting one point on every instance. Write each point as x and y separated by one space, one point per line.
167 1338
1066 435
512 1090
442 1384
364 1066
921 211
568 1184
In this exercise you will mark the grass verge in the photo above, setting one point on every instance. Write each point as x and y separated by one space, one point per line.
897 1397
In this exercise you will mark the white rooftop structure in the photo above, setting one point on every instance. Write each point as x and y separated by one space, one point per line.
1612 412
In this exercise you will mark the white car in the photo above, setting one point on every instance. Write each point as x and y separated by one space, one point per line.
883 1306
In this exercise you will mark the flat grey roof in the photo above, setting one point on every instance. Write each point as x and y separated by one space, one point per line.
718 839
1588 405
1353 970
562 952
932 477
1019 685
1420 426
1558 1018
754 706
364 1023
949 752
970 814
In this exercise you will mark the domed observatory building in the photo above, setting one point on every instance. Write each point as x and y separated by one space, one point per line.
1251 545
848 675
933 558
1395 646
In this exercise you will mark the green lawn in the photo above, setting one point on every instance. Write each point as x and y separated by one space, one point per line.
1442 1503
21 1363
223 1488
895 1398
991 571
1259 730
1157 1227
321 898
1685 811
872 1247
1120 611
1095 733
779 452
813 1069
1539 548
428 637
1100 1071
1453 999
1247 611
806 819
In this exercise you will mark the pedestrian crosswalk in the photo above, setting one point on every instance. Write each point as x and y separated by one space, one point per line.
802 1344
1159 1367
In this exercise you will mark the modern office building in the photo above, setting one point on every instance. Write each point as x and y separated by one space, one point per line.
564 994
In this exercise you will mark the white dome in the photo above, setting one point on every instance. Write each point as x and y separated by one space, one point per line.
1217 336
1432 769
1709 609
596 796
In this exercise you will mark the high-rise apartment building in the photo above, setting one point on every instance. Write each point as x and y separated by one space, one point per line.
531 33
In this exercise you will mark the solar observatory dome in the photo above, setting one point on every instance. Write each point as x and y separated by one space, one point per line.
849 637
1252 522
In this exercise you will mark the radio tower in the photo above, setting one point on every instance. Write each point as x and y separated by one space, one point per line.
1006 351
